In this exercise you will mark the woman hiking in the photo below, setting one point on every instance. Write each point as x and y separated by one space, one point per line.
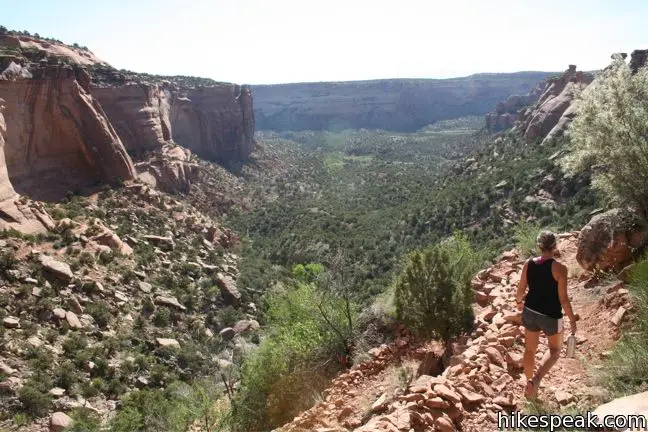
542 309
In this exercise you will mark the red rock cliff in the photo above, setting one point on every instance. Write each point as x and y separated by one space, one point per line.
140 114
58 137
553 112
216 122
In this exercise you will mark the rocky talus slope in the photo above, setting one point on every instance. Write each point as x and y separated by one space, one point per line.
399 104
131 289
396 390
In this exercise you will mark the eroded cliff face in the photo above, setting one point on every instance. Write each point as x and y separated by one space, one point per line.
58 138
215 122
140 113
506 113
555 108
17 212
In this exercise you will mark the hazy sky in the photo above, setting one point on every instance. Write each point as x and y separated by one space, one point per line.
274 41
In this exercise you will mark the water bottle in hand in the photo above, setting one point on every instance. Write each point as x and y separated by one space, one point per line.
571 346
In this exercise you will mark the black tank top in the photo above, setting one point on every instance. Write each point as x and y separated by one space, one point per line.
543 289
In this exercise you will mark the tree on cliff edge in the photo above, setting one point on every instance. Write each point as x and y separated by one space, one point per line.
610 134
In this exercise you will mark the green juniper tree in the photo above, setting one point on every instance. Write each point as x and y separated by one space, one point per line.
432 293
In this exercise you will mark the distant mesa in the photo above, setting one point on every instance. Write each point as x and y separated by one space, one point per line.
404 105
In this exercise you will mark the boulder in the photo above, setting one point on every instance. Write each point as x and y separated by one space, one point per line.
230 293
166 342
610 240
164 243
58 269
636 404
169 301
11 322
60 422
107 237
447 394
227 333
246 326
73 320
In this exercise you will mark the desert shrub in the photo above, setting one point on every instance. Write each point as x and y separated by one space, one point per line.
8 261
74 344
162 317
432 293
526 234
66 375
35 401
609 134
285 374
85 420
172 409
100 313
86 258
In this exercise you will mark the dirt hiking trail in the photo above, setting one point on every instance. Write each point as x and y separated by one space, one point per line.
396 390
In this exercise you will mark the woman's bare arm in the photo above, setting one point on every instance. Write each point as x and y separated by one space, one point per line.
522 286
561 271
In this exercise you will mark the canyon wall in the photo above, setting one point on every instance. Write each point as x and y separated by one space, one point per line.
215 122
397 104
58 138
140 113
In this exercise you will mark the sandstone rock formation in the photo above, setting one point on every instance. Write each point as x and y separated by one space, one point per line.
58 138
140 114
610 239
215 122
553 112
506 113
169 170
401 105
55 49
17 213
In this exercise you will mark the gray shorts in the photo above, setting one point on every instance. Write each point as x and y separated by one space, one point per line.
535 321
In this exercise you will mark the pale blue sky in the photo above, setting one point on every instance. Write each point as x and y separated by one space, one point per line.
274 41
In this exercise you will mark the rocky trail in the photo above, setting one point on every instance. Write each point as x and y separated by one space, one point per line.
390 392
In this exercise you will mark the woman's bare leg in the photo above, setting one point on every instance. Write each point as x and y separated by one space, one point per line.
531 340
550 358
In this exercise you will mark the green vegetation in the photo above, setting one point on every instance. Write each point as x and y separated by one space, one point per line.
379 195
609 135
293 363
433 294
173 409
